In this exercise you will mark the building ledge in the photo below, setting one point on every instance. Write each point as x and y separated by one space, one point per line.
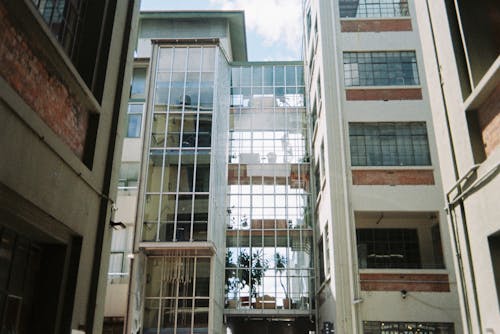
485 87
203 248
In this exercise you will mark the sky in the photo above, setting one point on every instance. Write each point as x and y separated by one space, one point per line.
273 27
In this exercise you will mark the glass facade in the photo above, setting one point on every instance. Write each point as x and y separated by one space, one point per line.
176 295
269 261
178 170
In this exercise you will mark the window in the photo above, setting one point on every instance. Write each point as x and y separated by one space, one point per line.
385 327
63 18
389 144
494 243
327 250
138 87
129 175
121 245
178 172
380 68
321 260
388 248
373 8
134 120
322 160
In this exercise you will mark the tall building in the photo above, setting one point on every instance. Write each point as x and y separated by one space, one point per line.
283 197
460 41
62 65
383 244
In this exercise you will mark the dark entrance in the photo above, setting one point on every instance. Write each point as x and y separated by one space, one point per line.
37 279
244 325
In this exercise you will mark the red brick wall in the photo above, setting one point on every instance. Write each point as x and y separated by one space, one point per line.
408 282
375 25
392 177
489 121
384 94
40 88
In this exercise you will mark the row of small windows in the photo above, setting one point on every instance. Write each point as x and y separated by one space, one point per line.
373 8
380 68
278 75
389 144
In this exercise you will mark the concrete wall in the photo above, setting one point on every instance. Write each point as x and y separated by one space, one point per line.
377 189
451 113
44 110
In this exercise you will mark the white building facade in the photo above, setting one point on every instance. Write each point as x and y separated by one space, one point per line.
385 261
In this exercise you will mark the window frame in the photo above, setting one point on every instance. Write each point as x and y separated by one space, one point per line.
369 144
380 68
134 114
380 9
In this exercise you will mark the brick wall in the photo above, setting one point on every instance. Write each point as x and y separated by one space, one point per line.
375 25
489 121
40 88
408 282
392 177
383 94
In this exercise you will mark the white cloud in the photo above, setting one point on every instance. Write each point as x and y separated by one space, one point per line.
274 20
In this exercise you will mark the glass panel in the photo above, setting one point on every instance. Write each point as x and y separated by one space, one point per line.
168 314
174 130
167 208
150 317
208 59
165 59
151 208
158 130
138 83
153 276
180 55
170 172
205 131
202 288
194 59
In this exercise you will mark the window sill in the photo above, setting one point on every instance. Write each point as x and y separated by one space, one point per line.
384 87
402 271
375 18
392 167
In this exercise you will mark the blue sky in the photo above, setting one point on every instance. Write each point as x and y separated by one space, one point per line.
273 27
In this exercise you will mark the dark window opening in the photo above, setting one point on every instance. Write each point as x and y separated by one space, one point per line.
381 68
389 144
388 248
494 243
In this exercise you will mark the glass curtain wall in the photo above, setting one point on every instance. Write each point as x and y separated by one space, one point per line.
177 295
269 260
178 171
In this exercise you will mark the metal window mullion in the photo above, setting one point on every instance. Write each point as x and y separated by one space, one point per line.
180 150
193 295
164 151
195 163
161 299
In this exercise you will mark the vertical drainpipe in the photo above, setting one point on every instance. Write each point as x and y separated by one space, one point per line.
108 171
450 207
